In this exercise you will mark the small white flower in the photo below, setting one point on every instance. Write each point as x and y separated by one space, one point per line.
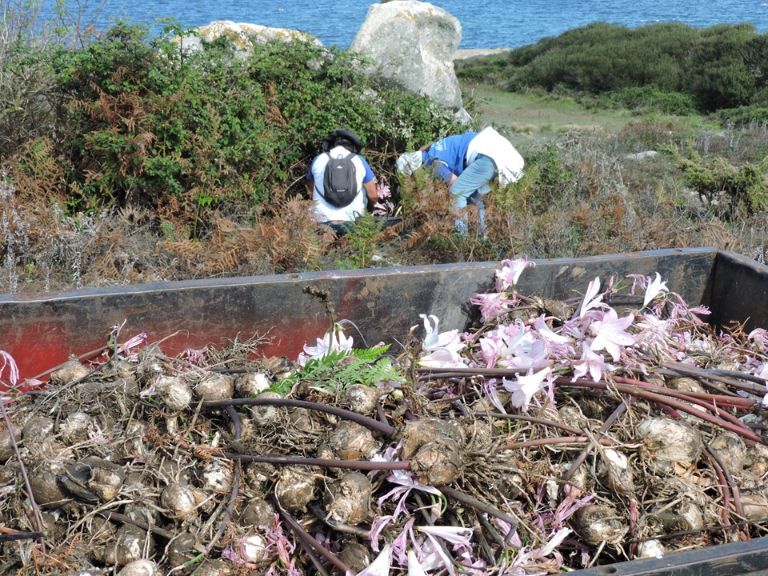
654 289
591 298
380 566
333 341
434 339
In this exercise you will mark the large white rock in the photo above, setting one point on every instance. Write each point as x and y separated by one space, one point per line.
243 35
413 44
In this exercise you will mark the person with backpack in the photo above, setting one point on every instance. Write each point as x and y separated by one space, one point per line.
468 163
341 181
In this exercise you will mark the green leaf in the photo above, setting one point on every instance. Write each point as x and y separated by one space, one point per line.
338 371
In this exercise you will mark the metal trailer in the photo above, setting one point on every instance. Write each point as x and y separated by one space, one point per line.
41 331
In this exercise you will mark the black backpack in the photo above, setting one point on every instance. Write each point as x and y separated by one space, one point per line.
340 181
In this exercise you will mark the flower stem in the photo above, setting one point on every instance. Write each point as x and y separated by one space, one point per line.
473 502
559 441
610 421
665 401
372 424
309 539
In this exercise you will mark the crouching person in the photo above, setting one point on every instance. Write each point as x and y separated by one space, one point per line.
468 163
341 181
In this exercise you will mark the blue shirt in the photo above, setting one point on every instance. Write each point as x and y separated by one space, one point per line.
450 154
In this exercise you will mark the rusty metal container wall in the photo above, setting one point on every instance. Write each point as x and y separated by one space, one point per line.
42 331
739 291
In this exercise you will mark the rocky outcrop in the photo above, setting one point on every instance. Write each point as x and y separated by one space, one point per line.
413 43
243 35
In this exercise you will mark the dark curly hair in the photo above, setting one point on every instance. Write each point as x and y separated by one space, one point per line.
345 138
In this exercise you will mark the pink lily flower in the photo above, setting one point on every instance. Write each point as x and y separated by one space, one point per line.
434 555
400 544
654 289
132 343
442 358
530 356
490 349
383 208
406 482
638 281
195 356
378 525
681 310
548 334
456 535
13 370
510 272
653 330
383 191
489 388
568 507
555 540
558 343
505 341
760 337
592 363
491 304
525 561
610 334
525 387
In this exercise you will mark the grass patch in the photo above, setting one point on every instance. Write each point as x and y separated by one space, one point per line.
531 118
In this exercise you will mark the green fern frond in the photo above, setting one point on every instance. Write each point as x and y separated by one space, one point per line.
337 371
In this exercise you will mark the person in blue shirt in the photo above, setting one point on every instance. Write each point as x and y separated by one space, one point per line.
467 163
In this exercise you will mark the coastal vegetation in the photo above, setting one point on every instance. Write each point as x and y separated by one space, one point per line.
126 158
669 68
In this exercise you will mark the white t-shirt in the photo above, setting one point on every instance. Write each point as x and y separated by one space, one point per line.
325 212
509 163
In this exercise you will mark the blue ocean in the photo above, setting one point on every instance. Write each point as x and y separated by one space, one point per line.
485 23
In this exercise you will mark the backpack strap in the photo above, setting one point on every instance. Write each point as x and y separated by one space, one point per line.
317 189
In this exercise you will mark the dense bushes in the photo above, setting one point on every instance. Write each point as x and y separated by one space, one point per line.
140 121
665 66
739 190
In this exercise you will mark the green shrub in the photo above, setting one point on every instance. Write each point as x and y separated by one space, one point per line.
139 121
487 69
26 95
649 99
743 115
665 67
744 188
545 180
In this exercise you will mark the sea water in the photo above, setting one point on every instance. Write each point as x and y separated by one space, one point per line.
485 23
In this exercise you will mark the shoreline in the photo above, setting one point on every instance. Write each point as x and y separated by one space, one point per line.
467 53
